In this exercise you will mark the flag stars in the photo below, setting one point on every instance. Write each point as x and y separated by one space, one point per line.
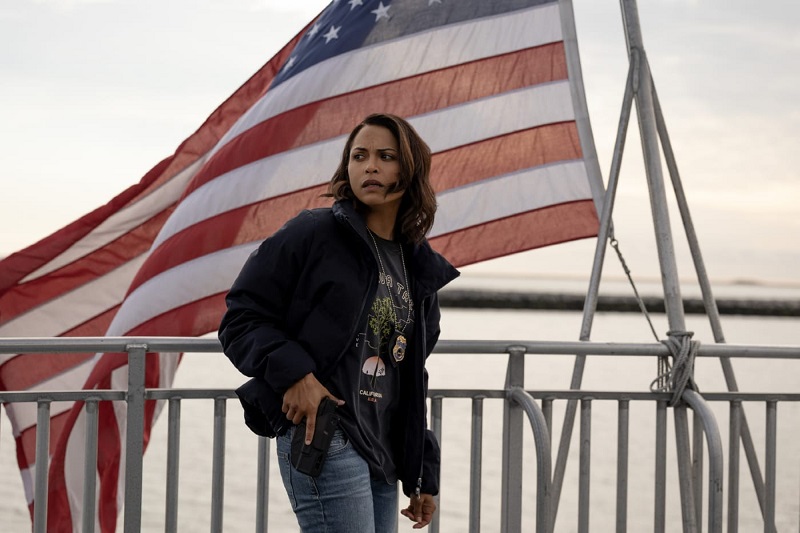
314 30
431 2
355 3
381 12
289 63
333 33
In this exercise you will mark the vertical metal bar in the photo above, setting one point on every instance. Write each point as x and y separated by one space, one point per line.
173 464
661 468
436 422
262 489
42 465
684 452
475 468
585 465
134 442
655 178
623 426
218 465
697 469
90 467
770 465
547 411
733 466
511 481
590 304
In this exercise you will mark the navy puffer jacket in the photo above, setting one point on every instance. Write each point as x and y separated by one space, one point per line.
295 308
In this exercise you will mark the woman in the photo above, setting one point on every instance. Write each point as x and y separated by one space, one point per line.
341 303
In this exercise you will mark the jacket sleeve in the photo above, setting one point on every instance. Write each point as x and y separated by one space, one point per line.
254 332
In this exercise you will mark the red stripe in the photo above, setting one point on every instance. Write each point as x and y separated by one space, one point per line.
407 97
534 229
192 319
108 460
17 373
26 440
21 298
453 168
18 265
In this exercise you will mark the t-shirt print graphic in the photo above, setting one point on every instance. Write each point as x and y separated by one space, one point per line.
380 325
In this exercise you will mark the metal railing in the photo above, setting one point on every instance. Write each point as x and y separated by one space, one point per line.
516 400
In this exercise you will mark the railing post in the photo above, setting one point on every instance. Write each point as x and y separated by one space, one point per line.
173 464
476 454
134 441
733 465
42 465
511 488
623 427
585 465
660 504
436 423
218 465
90 466
262 488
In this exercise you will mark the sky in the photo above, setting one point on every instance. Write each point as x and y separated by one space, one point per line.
94 93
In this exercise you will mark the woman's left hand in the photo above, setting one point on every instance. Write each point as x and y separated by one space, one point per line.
420 510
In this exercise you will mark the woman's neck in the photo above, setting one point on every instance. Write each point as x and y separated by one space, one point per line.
381 225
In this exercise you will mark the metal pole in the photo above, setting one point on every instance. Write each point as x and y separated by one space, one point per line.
673 303
173 465
90 467
511 488
262 486
134 445
42 465
476 454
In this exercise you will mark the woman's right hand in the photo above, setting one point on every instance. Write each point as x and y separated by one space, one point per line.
302 400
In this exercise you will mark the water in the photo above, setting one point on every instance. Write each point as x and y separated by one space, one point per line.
462 371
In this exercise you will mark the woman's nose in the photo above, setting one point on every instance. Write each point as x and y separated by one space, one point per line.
371 167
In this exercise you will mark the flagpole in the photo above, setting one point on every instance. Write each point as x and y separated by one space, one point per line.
645 110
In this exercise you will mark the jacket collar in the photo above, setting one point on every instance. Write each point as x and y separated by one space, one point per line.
430 269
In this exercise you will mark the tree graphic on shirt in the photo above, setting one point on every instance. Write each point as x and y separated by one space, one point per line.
382 320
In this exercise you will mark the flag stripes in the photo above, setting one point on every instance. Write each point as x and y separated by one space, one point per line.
491 94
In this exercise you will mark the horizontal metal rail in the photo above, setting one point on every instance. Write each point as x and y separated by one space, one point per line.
10 345
540 418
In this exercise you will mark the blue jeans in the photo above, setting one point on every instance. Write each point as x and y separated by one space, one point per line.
343 499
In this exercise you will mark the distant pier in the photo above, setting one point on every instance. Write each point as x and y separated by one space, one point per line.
486 299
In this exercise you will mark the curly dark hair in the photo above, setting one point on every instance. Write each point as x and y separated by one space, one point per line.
418 206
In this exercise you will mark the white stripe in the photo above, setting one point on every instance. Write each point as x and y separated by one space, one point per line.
509 195
312 165
28 475
74 459
23 414
63 313
186 283
408 56
122 221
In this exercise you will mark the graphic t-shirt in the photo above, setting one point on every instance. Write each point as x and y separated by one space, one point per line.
368 377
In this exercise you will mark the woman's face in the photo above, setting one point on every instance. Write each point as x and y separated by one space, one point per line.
373 167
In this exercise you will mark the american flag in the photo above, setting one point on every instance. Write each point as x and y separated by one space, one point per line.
492 85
